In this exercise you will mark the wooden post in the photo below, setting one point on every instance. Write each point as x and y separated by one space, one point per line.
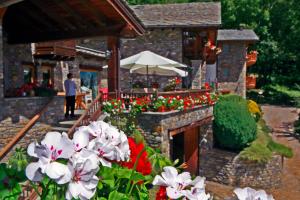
113 44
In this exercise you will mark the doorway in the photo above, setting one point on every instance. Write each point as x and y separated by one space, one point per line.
185 147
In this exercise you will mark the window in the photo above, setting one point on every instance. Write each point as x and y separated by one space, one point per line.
47 76
28 74
225 48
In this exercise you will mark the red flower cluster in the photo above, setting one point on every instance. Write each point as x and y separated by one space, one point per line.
143 166
161 194
26 88
177 81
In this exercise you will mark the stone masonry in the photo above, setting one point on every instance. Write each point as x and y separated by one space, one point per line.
231 70
227 168
27 107
9 129
156 125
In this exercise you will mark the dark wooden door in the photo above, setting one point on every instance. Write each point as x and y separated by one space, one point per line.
191 149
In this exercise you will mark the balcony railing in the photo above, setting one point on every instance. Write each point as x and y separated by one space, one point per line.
132 95
58 50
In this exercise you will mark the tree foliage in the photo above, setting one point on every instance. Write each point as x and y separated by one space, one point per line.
276 22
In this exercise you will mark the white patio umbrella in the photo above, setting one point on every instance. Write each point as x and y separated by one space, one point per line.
148 63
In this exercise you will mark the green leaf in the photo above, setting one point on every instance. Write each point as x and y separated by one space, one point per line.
110 182
100 185
123 173
137 177
115 195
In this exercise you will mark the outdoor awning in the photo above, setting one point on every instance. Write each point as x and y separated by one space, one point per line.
43 20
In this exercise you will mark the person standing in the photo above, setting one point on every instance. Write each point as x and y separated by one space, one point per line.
70 88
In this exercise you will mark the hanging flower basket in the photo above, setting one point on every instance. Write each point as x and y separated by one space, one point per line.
251 58
251 82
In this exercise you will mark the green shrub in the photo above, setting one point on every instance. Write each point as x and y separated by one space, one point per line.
234 127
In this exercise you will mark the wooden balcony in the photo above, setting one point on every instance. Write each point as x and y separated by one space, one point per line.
251 58
58 50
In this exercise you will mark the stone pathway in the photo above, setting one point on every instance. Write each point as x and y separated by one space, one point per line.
281 120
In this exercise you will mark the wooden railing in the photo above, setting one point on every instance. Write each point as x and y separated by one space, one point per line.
7 148
92 113
59 49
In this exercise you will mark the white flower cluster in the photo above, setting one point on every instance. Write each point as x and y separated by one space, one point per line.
96 143
176 185
251 194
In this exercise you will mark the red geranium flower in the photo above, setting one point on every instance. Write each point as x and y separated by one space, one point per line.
161 194
143 166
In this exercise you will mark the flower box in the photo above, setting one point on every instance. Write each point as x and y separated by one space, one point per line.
250 82
251 58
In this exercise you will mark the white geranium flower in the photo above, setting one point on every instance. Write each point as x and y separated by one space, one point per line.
197 192
83 167
81 137
53 147
97 128
175 183
251 194
110 146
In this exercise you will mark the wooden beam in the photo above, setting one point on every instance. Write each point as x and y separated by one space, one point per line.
102 20
33 18
60 20
175 131
79 19
113 44
6 3
25 36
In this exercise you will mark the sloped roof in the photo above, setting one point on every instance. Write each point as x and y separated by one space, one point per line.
181 15
237 35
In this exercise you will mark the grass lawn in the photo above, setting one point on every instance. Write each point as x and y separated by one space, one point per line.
277 95
262 149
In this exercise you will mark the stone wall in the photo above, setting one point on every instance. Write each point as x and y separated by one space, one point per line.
29 106
231 70
156 125
165 42
9 129
227 168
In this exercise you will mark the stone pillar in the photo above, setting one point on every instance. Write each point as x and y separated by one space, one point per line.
196 74
58 76
75 70
2 12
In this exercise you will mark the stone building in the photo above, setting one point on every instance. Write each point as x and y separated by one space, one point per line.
232 67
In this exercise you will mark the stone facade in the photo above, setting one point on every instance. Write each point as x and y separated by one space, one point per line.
165 42
227 168
29 106
231 70
157 125
9 129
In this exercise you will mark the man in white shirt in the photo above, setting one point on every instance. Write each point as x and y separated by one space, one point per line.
70 88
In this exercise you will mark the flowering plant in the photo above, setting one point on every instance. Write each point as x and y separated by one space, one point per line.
172 84
89 165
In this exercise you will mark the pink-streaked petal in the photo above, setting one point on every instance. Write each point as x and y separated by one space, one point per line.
33 172
199 182
173 193
66 145
51 139
80 140
184 178
105 162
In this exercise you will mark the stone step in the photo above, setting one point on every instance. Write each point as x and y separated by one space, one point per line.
67 123
60 129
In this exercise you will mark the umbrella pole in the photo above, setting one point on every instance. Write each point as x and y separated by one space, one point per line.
147 77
